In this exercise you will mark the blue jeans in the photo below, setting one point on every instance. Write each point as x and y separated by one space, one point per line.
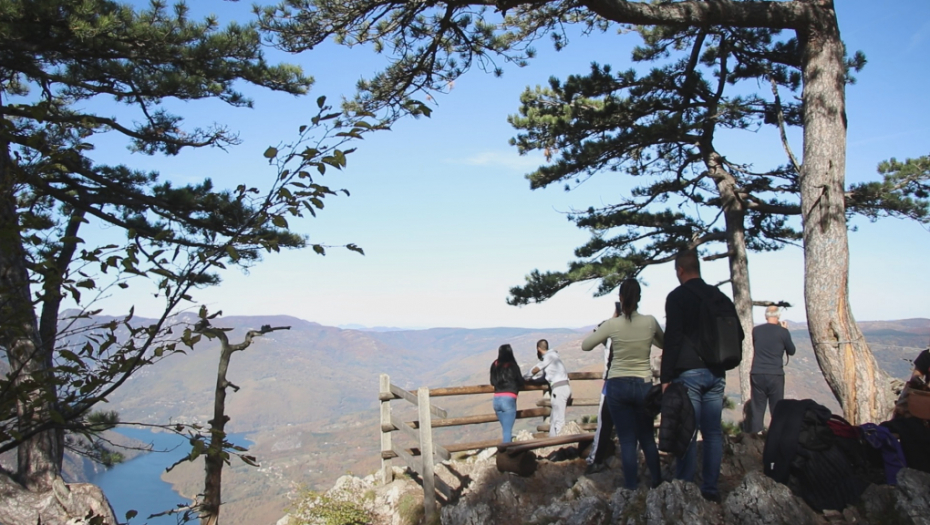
506 409
625 400
706 392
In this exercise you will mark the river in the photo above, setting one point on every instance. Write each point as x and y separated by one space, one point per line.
136 484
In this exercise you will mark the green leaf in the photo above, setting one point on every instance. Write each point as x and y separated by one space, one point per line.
130 514
271 152
86 283
231 251
319 249
279 221
320 102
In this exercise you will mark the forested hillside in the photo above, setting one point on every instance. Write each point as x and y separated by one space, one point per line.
308 396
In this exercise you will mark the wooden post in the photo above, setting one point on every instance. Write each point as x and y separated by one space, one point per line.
426 454
384 391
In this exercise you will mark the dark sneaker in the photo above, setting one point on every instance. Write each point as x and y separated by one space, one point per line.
594 468
714 498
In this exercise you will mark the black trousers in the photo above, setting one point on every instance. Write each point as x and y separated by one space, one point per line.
765 388
603 446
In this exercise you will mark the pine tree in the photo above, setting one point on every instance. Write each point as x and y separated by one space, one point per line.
661 126
59 56
432 43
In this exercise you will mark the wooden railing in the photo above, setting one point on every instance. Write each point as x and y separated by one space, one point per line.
422 457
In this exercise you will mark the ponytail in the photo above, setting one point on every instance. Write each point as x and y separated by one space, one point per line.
630 294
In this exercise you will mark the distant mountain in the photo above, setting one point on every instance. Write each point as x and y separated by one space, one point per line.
308 396
313 372
363 328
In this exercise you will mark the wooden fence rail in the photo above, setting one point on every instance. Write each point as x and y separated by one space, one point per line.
422 457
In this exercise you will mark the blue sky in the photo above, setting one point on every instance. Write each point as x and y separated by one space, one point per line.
448 222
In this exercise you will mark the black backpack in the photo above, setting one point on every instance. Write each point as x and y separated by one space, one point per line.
720 337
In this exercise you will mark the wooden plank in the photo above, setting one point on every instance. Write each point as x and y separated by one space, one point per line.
583 376
584 426
483 418
476 389
404 428
573 402
407 458
488 389
430 508
384 387
522 446
417 467
401 393
443 488
475 445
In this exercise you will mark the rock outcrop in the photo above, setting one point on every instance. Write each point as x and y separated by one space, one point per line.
560 493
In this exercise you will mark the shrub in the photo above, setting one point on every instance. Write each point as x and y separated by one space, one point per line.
410 509
339 508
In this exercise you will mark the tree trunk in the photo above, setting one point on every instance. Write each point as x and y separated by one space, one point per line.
848 365
742 298
734 212
38 494
216 454
39 456
213 460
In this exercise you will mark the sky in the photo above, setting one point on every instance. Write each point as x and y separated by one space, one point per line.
448 221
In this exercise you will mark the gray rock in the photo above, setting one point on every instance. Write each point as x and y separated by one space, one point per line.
590 510
908 503
760 500
680 502
914 495
479 514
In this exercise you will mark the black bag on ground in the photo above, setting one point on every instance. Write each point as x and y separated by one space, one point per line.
720 341
802 452
677 426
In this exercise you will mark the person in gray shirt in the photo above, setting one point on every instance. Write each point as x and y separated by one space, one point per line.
771 341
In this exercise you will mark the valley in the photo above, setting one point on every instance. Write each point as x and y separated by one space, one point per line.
308 397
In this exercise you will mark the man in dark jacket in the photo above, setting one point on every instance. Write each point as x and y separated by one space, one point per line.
771 341
681 363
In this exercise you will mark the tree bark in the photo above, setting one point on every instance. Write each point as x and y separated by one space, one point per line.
848 365
38 494
734 212
742 297
39 456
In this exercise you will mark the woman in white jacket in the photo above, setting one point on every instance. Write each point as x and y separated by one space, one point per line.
557 377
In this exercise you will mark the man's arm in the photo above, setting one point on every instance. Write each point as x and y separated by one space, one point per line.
674 323
546 361
789 344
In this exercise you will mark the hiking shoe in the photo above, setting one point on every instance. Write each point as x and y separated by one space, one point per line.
594 468
714 498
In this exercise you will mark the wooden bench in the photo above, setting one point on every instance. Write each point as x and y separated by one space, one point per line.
513 457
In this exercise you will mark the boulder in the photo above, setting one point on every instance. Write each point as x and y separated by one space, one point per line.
907 503
760 500
680 502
